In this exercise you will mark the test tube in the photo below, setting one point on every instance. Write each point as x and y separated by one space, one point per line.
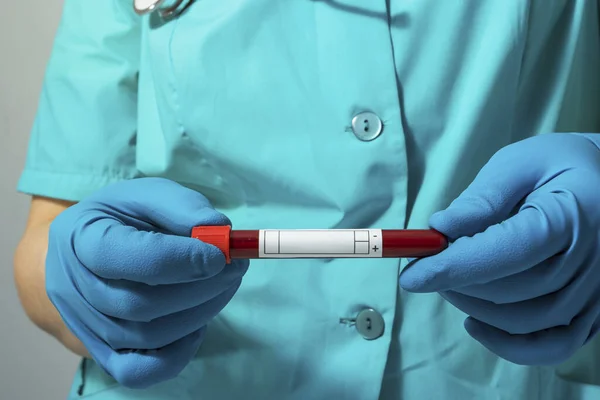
322 243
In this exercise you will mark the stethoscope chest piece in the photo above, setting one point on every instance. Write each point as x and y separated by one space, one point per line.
143 7
146 6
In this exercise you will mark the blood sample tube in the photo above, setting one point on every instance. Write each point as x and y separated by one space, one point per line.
321 243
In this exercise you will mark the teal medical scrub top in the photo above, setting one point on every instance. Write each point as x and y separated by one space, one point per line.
253 104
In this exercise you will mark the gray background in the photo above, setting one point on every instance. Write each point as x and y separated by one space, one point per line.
32 364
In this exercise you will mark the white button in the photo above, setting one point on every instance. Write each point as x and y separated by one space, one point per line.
367 126
370 324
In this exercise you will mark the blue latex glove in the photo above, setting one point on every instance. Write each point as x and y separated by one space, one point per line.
130 282
524 262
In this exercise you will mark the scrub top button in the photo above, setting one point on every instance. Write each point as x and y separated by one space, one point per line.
367 126
370 324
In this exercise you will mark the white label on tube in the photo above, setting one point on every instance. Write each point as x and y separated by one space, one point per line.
320 243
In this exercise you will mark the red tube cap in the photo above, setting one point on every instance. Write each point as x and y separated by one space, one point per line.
218 236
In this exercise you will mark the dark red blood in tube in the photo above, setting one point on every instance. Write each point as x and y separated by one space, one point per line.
412 243
243 244
396 243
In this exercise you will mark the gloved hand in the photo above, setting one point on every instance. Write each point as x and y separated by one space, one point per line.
130 282
524 258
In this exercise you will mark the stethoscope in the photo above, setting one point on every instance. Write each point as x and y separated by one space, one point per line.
143 7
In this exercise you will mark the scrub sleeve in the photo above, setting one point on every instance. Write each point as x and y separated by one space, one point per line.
84 132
